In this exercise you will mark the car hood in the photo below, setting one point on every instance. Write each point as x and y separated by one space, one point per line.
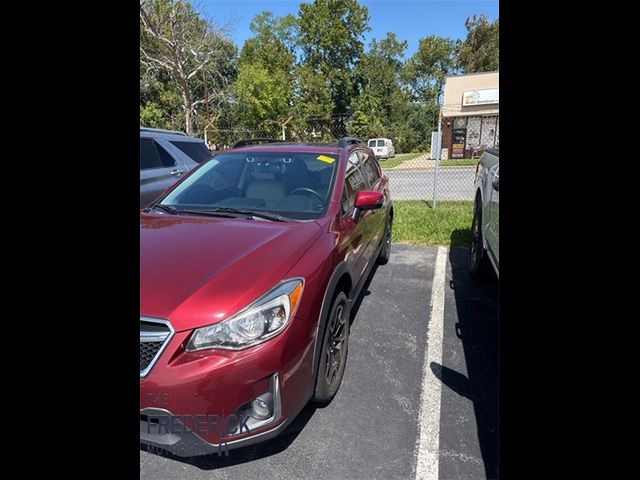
196 271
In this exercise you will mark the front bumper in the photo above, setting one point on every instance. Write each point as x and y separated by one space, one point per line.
164 431
220 385
190 444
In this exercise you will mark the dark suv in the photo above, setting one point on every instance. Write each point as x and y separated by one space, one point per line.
165 155
248 269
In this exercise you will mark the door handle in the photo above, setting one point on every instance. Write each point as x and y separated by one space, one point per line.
177 172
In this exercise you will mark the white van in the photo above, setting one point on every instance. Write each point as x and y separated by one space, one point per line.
382 147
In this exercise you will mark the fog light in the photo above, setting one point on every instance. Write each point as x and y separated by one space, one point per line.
262 407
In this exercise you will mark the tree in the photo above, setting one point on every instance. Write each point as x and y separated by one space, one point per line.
377 75
330 36
176 41
274 42
262 96
312 105
160 103
264 87
479 52
366 121
426 70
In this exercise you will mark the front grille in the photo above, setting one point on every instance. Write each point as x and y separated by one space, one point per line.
154 336
148 351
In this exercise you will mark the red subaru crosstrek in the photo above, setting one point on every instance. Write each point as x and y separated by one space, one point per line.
248 268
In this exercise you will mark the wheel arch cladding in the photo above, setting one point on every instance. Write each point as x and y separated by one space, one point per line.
340 281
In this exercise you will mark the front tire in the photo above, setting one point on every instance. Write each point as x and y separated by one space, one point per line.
335 347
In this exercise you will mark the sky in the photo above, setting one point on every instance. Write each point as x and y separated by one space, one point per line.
410 20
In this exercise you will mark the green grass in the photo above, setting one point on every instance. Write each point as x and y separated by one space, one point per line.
415 222
398 159
459 162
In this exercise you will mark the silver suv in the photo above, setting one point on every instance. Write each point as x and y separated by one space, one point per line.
484 247
164 156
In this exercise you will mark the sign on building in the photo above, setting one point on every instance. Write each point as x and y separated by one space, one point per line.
481 97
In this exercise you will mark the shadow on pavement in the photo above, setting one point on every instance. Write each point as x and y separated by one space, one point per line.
363 293
478 329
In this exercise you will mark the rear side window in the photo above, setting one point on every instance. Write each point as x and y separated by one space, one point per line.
370 170
153 155
381 143
372 143
195 150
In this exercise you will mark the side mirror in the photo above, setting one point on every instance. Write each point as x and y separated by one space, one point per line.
369 200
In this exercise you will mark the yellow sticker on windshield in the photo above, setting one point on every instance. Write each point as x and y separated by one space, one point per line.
325 159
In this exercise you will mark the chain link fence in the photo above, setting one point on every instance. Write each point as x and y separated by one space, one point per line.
413 175
422 176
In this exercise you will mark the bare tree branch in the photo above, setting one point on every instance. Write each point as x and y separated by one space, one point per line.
197 70
177 40
159 61
151 31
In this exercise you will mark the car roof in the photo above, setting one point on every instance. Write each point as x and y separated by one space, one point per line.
330 148
168 135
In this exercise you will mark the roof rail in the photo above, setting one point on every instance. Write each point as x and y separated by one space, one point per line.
253 141
162 130
344 141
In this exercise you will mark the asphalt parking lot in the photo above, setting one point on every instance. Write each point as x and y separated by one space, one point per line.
419 397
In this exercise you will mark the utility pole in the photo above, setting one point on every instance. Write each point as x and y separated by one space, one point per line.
284 125
438 152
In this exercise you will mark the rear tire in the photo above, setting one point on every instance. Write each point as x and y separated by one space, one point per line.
334 351
385 251
478 261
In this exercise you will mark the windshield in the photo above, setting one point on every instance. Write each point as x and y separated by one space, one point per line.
293 185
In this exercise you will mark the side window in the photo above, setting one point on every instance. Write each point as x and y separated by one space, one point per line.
153 155
370 169
362 156
353 183
345 200
166 159
196 150
352 161
149 157
376 168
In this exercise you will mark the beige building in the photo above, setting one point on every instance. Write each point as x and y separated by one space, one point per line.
470 113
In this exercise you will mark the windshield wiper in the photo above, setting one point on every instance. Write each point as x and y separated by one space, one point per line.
164 208
206 212
240 211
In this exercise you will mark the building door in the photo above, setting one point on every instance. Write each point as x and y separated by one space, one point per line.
459 137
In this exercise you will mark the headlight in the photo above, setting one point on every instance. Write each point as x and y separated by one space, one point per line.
263 319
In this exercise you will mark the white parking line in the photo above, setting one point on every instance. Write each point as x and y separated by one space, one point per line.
428 443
